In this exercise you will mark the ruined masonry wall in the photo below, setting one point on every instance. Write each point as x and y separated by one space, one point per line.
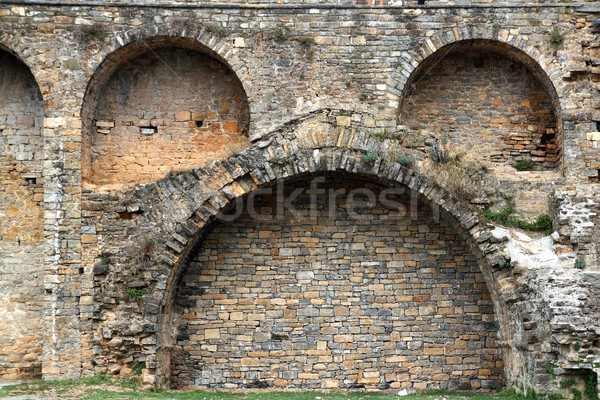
336 301
294 63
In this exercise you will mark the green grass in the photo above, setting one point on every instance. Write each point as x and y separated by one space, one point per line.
102 387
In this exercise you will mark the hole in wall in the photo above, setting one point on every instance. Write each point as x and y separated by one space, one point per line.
148 130
199 123
31 181
598 126
81 270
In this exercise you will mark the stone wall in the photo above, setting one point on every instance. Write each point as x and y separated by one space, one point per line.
343 296
486 104
166 110
21 216
324 84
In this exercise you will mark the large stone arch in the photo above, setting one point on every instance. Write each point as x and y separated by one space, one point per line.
191 201
204 48
163 223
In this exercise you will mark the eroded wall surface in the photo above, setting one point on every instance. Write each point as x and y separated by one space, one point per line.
112 255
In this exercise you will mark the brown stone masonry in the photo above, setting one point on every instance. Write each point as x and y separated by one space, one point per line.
376 300
167 110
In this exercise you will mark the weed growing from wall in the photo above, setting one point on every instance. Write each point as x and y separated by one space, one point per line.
90 34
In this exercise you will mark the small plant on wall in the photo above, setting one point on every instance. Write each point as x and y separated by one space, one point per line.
135 294
556 37
369 157
89 34
524 164
406 160
438 151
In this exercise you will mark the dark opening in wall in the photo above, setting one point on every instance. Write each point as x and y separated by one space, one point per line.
199 123
598 126
148 130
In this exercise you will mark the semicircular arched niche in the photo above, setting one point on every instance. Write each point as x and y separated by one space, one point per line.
358 285
487 98
21 220
161 105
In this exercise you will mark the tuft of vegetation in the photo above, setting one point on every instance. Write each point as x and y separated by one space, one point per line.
281 34
577 395
580 263
531 394
137 368
543 223
524 164
306 42
406 160
88 34
591 386
504 263
275 160
217 30
382 135
567 383
364 96
438 151
556 37
104 258
369 157
549 368
135 294
576 346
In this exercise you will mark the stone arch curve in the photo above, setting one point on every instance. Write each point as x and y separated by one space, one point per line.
518 46
192 200
11 45
437 55
126 46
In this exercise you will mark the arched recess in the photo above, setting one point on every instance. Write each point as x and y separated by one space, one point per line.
190 201
487 91
333 281
21 219
161 104
184 243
